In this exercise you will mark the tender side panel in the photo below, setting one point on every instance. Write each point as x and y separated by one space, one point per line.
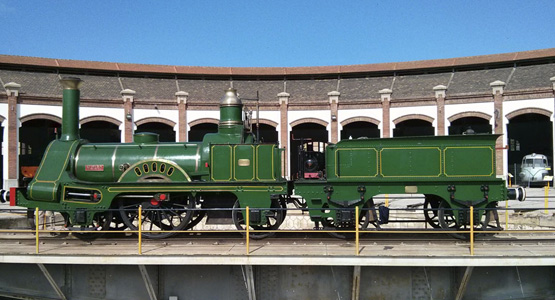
469 161
356 162
410 162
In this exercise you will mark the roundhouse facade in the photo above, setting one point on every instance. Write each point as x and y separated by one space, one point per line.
510 94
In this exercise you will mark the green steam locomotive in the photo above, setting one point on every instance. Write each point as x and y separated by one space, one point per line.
170 187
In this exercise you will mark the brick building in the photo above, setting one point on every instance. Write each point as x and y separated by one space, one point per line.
510 94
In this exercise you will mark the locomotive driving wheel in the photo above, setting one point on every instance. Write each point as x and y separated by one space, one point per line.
159 219
273 220
447 220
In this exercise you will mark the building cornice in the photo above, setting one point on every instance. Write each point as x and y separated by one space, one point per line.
411 66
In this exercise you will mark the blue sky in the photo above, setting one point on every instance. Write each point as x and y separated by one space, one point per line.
272 33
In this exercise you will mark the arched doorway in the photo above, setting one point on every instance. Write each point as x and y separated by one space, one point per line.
100 132
528 133
304 132
267 133
477 124
360 129
413 127
34 137
165 131
197 132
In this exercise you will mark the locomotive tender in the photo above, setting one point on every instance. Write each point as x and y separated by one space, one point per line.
178 184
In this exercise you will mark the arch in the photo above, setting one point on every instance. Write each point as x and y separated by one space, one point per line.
204 120
41 117
413 117
309 120
360 119
476 114
100 118
155 120
530 110
266 121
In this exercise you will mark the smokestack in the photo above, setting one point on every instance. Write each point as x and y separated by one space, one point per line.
70 108
231 110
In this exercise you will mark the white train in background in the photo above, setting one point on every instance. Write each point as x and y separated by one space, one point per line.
535 170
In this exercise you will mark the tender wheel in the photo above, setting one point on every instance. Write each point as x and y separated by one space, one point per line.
273 220
447 220
367 216
159 219
101 222
431 205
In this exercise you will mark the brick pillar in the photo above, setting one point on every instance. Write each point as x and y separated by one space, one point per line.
385 95
284 131
182 107
334 102
440 98
128 96
499 125
11 159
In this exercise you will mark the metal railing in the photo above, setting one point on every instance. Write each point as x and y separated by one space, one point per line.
357 231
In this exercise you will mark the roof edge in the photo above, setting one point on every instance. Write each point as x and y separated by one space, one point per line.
278 71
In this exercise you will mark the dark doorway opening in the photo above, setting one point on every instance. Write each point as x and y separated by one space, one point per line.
305 131
100 132
166 132
414 127
478 125
360 129
527 134
197 132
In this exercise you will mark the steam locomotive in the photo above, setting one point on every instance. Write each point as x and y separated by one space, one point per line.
170 187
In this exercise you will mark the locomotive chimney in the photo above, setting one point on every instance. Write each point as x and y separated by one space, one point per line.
70 108
231 110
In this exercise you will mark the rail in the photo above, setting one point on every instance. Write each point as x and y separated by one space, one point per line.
467 232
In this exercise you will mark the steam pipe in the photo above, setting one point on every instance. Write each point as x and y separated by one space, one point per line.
70 108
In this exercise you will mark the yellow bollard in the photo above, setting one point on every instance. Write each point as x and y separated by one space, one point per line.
139 225
247 222
506 214
356 229
386 200
37 229
546 194
472 230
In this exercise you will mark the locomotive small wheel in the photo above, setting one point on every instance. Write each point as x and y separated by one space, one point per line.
101 222
48 220
431 205
447 221
272 221
161 220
